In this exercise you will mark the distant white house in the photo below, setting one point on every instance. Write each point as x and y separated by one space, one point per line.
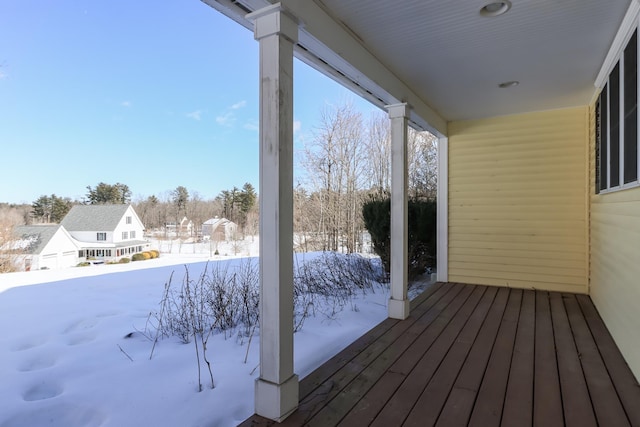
105 231
97 232
219 229
182 228
39 247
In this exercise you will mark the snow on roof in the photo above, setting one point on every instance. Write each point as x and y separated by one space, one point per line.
33 238
217 221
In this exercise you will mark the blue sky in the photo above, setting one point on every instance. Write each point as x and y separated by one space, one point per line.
152 94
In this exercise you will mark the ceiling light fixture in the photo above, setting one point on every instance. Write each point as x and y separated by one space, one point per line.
496 8
512 83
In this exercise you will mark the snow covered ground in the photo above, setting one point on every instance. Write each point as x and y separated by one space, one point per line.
72 351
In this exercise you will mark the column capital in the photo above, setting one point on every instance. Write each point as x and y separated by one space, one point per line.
274 20
398 110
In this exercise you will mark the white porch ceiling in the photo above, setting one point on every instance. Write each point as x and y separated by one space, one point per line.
452 59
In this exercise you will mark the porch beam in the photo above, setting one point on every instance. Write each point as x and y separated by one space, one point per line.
399 301
329 47
329 40
276 392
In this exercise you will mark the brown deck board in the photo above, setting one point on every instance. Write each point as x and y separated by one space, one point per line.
621 376
487 411
444 333
606 404
547 399
353 392
379 355
325 371
365 409
518 402
459 405
576 402
477 356
430 403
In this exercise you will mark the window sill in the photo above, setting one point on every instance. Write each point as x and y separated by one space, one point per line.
627 186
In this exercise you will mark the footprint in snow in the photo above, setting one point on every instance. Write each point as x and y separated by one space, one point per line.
28 343
60 414
36 363
80 325
42 391
81 338
109 313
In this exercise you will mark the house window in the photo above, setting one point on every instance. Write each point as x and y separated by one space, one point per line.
132 234
101 237
617 124
630 160
128 220
125 235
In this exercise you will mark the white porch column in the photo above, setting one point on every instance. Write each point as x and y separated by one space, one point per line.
399 302
276 393
443 210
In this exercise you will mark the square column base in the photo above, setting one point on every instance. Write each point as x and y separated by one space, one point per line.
276 401
399 309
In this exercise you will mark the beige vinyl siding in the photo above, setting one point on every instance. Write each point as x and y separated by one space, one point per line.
615 263
518 200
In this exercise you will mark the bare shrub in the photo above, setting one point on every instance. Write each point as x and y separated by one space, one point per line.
329 282
11 251
225 299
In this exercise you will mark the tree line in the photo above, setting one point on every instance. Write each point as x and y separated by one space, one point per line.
237 205
346 163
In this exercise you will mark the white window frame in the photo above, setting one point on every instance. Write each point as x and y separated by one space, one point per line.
616 56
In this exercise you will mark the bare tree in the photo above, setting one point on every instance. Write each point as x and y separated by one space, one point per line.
346 162
148 211
422 159
423 164
10 254
165 208
252 226
179 198
198 212
335 164
379 154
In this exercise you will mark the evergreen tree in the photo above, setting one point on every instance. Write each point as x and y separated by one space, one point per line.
237 204
41 209
52 208
108 194
247 200
180 197
59 208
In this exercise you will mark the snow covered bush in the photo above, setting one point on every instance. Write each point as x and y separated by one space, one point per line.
328 283
224 298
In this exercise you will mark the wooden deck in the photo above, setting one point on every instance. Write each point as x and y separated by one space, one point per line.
476 356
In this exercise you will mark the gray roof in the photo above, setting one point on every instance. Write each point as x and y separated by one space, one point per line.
34 238
94 217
